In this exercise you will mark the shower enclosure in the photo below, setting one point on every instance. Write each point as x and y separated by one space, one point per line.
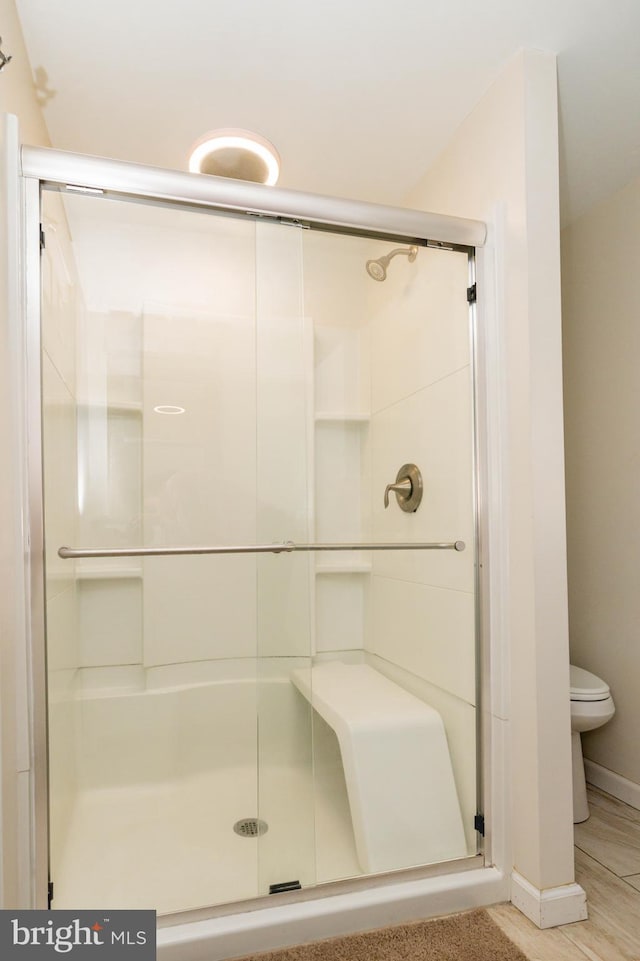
261 667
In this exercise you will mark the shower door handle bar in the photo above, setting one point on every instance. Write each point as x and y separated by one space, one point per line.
287 547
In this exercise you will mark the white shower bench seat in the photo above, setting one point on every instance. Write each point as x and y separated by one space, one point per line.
397 767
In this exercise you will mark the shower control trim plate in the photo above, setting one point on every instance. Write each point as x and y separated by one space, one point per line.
407 488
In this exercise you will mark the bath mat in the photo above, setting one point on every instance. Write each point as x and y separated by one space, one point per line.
472 936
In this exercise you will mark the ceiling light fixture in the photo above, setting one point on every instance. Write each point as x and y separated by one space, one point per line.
239 154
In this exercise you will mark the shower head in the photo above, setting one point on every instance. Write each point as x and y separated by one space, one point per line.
377 269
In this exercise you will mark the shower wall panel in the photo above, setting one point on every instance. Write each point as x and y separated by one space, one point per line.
336 286
199 465
342 376
282 409
422 413
109 477
109 431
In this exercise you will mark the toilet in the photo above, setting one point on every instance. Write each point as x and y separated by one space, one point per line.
591 707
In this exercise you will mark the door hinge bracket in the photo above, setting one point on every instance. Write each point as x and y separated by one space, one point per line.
471 294
50 893
43 241
478 823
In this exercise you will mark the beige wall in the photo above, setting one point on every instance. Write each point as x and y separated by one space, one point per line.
17 96
602 423
501 167
17 92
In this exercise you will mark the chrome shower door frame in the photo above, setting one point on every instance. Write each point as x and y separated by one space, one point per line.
69 173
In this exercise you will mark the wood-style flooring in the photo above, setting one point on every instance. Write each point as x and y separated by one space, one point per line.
607 848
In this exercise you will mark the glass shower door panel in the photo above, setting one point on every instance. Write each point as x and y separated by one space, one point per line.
150 439
423 604
199 611
392 370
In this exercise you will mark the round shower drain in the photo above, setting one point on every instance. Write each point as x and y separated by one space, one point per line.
250 827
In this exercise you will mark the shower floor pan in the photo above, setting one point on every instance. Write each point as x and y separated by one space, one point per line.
171 846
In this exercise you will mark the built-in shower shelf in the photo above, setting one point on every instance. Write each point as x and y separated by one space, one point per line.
362 568
107 573
329 417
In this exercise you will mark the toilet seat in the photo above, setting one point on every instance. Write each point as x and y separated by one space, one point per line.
585 686
591 707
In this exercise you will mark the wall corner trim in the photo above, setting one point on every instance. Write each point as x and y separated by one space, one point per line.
551 907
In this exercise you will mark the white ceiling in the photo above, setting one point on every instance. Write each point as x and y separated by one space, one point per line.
359 96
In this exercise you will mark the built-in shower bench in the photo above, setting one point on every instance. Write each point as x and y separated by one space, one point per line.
402 795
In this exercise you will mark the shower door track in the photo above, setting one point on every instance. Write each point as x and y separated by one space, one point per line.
98 176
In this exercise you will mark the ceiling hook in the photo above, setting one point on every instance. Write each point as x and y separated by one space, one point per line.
4 60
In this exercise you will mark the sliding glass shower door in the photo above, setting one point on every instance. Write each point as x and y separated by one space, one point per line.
223 400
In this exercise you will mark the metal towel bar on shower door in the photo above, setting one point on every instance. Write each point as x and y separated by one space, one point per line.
287 547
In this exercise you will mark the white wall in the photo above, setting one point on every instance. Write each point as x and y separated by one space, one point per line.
601 339
502 167
17 96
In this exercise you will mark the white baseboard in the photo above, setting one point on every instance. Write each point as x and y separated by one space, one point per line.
615 784
549 908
